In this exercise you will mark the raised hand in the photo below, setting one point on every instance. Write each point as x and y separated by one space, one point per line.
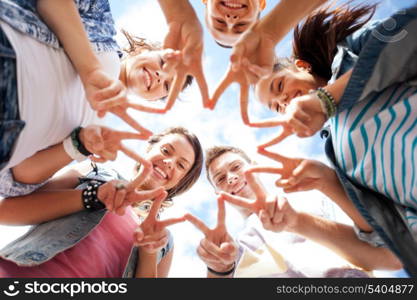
121 112
152 234
186 35
217 250
252 58
104 142
116 196
102 91
255 205
297 174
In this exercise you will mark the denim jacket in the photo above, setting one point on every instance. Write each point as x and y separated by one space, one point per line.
95 15
42 242
380 57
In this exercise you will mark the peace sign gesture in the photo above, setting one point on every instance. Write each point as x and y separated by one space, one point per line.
252 58
297 174
186 35
252 205
121 111
116 197
217 250
152 234
104 142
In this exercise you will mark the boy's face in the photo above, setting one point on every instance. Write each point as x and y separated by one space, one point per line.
226 172
226 20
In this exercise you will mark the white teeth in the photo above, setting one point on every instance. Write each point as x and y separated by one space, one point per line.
233 4
239 188
160 172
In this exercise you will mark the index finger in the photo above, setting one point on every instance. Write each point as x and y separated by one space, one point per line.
171 221
272 170
281 136
256 188
126 135
176 88
275 156
202 84
132 123
198 223
221 212
236 200
156 205
227 80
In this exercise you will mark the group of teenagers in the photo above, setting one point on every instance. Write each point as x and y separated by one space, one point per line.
352 79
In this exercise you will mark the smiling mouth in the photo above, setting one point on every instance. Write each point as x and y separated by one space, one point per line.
147 79
160 173
233 4
239 188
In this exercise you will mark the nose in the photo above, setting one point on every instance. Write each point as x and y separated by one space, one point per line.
168 163
231 18
160 76
231 178
283 99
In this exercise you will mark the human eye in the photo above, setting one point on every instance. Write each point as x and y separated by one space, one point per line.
280 86
181 166
166 86
164 150
220 179
236 167
161 62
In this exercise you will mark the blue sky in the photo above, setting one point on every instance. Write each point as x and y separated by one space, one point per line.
220 127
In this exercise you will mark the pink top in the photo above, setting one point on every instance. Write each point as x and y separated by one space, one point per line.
103 253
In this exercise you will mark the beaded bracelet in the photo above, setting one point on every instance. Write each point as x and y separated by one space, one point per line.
327 102
75 136
89 196
222 273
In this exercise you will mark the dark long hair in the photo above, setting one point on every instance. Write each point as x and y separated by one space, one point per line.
315 40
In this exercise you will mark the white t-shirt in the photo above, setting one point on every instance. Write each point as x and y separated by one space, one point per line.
51 97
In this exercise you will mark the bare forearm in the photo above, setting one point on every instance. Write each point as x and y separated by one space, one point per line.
342 240
42 165
39 207
64 20
333 189
337 88
285 15
175 9
147 265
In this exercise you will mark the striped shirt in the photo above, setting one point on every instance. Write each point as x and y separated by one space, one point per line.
375 145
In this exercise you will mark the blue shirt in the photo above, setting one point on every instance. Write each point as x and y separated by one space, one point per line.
383 60
95 15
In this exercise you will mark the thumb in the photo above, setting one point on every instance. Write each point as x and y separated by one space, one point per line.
237 56
227 247
138 235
